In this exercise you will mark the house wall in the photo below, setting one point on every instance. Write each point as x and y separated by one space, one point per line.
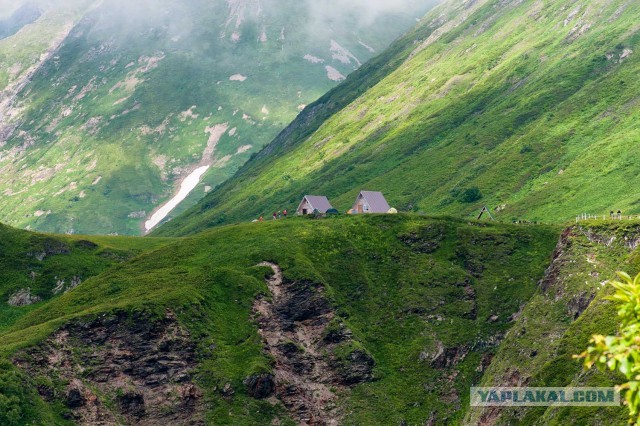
303 206
361 206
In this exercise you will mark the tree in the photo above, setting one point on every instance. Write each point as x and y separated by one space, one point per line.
622 352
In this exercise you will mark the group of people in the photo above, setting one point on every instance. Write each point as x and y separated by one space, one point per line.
276 215
613 215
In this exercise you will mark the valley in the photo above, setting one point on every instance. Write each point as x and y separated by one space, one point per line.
527 107
106 107
491 148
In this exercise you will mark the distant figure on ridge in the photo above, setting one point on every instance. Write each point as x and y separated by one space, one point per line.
275 215
285 213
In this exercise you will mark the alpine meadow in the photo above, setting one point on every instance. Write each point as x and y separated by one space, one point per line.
270 212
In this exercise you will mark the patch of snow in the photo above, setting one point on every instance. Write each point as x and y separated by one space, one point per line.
341 54
237 77
313 59
233 131
188 184
119 101
96 180
264 110
244 149
334 74
366 46
215 133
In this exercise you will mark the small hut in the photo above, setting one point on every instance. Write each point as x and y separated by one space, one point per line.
370 202
311 203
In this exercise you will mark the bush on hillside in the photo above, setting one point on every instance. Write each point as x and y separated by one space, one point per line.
622 352
470 195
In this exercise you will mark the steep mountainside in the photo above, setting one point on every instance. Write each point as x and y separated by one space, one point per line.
360 319
109 108
528 107
559 320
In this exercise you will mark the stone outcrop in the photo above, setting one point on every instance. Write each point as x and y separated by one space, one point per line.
119 367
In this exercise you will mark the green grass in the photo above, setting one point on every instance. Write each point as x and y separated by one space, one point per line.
538 349
39 262
540 122
398 282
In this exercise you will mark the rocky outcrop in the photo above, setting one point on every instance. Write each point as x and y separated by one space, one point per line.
315 356
119 368
23 297
49 247
260 385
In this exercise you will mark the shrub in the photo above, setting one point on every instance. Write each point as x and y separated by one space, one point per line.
470 195
622 352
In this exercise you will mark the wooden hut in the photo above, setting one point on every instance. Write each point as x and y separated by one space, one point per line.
370 202
311 203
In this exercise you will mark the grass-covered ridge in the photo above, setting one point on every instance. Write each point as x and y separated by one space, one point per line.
42 267
408 287
528 107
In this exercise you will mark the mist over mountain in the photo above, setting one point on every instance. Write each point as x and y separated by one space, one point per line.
525 107
108 108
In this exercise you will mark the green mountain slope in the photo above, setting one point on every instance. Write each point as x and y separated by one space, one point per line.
35 268
558 322
404 312
528 107
107 107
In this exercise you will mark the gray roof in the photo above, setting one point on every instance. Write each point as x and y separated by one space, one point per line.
318 202
376 201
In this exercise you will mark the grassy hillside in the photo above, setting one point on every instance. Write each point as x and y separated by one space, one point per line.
558 322
412 310
108 106
527 107
36 268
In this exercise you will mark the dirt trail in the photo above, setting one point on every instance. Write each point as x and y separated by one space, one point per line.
308 377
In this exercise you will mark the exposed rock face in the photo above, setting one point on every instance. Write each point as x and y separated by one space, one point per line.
315 359
50 247
260 385
23 297
120 368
